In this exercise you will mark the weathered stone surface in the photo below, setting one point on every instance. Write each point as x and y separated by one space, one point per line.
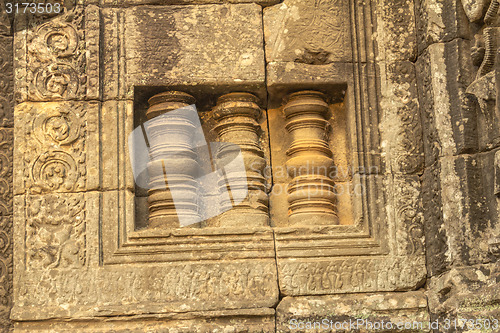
6 238
466 297
245 320
439 22
182 2
396 37
5 24
294 313
287 77
400 127
214 46
57 147
310 32
409 215
348 275
6 82
448 114
58 59
117 119
86 262
459 232
142 290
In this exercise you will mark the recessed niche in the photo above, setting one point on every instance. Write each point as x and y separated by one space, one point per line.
270 143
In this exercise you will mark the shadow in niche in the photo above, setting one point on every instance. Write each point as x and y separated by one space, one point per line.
206 98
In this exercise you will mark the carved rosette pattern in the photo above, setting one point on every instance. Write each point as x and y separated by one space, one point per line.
173 166
56 161
61 57
55 231
237 115
311 193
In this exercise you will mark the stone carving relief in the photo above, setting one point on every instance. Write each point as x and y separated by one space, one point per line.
55 231
409 214
346 275
6 81
311 32
485 16
55 58
60 56
56 158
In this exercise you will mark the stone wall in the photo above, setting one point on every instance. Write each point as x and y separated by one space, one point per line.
408 91
458 47
6 144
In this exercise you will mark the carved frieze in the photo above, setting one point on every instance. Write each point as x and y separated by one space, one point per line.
57 141
409 215
6 205
55 231
6 82
58 59
347 275
147 289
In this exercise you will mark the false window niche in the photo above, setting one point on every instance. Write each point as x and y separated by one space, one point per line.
230 162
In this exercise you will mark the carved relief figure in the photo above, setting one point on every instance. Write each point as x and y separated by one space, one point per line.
56 231
486 17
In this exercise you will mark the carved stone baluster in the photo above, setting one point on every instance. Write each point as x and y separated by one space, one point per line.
173 167
311 194
237 115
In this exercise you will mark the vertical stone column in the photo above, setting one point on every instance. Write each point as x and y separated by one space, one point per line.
172 194
6 169
237 115
311 194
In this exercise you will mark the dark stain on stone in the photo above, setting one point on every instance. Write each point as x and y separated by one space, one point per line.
160 44
314 57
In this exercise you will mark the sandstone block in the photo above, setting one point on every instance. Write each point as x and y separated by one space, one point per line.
259 320
448 114
57 149
439 22
308 32
398 41
459 232
6 82
467 297
58 59
392 308
214 46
